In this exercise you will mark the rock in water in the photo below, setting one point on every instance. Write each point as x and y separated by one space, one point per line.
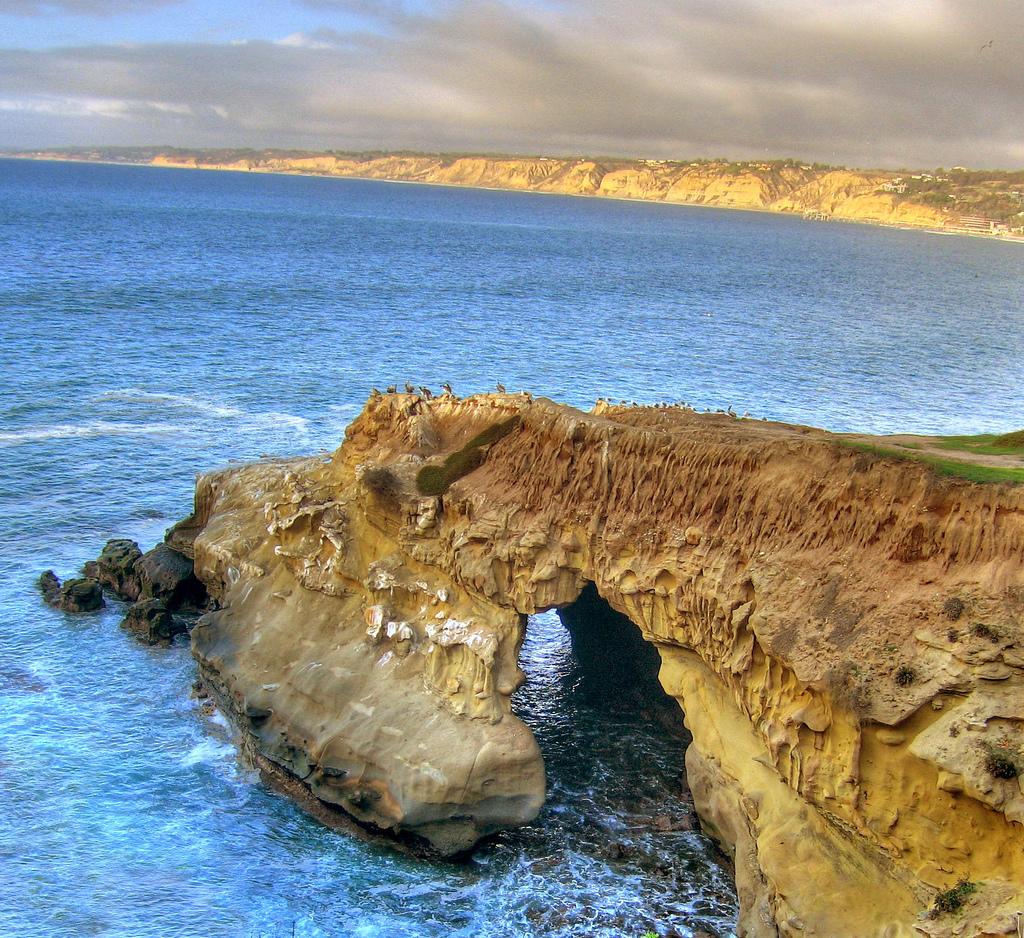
49 586
168 575
152 621
116 568
82 594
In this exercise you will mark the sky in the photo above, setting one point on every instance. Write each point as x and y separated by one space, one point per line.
899 83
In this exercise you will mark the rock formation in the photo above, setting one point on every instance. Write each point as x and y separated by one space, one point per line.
158 584
81 594
843 634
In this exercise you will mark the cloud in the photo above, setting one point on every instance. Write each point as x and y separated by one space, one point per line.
80 7
904 82
372 9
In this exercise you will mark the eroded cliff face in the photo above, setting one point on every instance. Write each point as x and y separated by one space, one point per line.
848 195
844 637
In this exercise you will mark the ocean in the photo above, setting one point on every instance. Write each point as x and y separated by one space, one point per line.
159 323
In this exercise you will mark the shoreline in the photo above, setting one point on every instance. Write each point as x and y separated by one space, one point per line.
1012 239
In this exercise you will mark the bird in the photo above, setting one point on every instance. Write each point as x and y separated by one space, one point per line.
501 388
392 388
409 389
374 392
447 388
988 45
426 392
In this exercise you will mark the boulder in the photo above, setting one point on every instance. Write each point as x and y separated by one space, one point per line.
152 621
49 586
116 568
168 575
82 594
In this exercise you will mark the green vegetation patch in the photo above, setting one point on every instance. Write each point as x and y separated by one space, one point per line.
952 900
943 467
436 479
984 630
988 444
1002 759
905 675
1013 441
954 608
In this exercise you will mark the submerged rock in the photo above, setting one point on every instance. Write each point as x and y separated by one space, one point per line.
81 594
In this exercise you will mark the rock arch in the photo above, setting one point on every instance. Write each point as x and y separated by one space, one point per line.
367 636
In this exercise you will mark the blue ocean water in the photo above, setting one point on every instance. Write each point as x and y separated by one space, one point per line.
157 323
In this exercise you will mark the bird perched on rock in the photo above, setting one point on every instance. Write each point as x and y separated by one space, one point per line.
426 392
409 389
447 388
374 393
501 388
392 388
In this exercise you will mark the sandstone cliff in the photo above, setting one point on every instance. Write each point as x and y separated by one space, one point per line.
844 635
848 195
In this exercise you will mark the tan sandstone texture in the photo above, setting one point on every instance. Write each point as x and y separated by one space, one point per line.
847 195
843 634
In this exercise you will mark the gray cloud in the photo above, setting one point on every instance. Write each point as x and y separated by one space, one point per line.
904 82
80 7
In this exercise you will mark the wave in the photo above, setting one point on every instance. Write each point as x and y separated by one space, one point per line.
197 405
208 752
92 428
275 418
139 396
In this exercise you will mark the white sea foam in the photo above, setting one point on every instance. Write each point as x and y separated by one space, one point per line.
208 752
139 396
218 719
89 429
198 406
276 419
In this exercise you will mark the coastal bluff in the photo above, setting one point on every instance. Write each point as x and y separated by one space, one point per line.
839 194
844 635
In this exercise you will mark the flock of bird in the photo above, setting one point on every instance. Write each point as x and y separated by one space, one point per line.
677 405
425 392
446 389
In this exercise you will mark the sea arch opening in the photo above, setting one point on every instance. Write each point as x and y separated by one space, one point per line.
618 823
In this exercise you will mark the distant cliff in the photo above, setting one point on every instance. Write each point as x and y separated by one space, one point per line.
840 194
975 202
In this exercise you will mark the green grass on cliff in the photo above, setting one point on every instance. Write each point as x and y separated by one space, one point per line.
436 479
1007 444
949 467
